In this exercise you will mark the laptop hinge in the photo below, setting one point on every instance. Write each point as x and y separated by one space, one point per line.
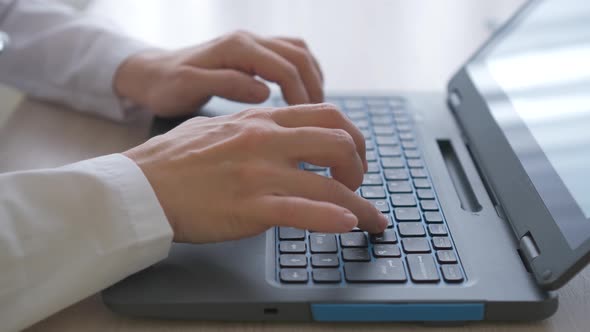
528 247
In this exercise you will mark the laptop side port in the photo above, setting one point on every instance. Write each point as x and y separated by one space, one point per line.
458 177
271 311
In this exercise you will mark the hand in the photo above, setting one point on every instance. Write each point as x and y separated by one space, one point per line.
235 176
179 82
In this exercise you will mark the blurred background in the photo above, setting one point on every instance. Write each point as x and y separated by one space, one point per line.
427 40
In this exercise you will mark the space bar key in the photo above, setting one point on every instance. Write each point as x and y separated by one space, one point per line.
381 270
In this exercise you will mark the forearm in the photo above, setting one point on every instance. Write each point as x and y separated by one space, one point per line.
69 232
61 55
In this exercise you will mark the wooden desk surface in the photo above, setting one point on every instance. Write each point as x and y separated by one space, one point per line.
362 45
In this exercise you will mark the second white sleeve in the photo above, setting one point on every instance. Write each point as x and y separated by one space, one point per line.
62 55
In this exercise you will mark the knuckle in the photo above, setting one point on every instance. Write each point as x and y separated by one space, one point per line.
182 75
238 38
304 59
332 112
256 134
291 73
344 139
300 42
256 113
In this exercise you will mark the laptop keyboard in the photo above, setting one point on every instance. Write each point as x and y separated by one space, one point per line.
416 247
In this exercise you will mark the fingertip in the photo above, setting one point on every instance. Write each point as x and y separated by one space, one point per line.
259 92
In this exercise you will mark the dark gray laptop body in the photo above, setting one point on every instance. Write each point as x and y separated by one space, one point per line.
514 245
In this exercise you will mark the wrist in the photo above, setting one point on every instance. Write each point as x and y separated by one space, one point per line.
133 76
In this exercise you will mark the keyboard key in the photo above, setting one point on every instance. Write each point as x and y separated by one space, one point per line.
398 104
422 268
437 229
403 200
357 115
446 256
372 179
429 205
389 220
415 163
369 145
425 194
409 145
325 260
379 110
383 130
391 151
412 154
380 204
366 133
407 214
382 120
451 273
294 275
354 103
371 155
373 192
290 233
442 242
310 167
392 162
406 136
415 244
292 247
326 275
386 140
421 183
377 102
381 270
396 174
388 236
373 167
386 250
293 260
404 128
353 239
433 217
418 173
361 124
411 229
398 187
321 242
322 173
356 254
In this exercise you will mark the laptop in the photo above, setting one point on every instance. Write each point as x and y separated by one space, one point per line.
485 187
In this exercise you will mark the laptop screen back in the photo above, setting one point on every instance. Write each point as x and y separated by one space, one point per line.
525 108
542 66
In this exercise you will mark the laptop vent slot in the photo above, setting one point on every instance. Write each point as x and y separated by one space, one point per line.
457 174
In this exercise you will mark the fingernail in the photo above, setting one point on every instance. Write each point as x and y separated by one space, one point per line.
350 220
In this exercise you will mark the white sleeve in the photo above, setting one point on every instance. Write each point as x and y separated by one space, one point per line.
68 232
62 55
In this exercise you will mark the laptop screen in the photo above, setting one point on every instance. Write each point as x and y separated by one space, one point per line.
540 68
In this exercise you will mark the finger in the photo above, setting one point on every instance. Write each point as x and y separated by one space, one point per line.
322 115
303 60
332 148
248 56
225 83
309 185
300 43
303 213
